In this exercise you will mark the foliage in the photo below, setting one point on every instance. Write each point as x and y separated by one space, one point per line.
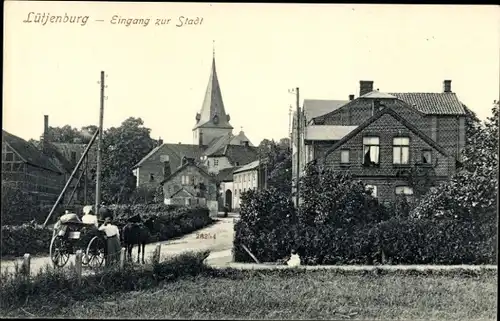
27 238
68 134
472 192
19 207
123 147
335 198
52 284
266 226
277 159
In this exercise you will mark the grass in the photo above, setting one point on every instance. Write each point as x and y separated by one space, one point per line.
292 294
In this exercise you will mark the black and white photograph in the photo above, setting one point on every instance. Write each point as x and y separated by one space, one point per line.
258 161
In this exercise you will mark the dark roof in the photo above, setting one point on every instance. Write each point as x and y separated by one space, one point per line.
181 168
390 111
317 107
181 150
57 157
29 153
218 143
240 155
433 103
250 166
226 174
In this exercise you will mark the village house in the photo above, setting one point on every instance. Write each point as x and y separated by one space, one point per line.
246 178
25 168
190 184
215 148
379 137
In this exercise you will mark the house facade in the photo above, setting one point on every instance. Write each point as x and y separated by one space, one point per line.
190 184
381 137
24 167
246 178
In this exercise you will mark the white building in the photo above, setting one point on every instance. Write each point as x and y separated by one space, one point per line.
245 178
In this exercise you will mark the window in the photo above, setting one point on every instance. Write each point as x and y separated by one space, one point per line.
344 157
151 177
310 155
426 157
405 190
401 150
185 180
373 188
371 148
9 156
216 162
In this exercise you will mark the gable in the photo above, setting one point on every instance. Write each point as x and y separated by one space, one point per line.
182 193
183 169
375 126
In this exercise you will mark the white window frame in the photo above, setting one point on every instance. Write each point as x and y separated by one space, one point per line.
404 190
399 144
371 142
216 162
344 152
374 189
425 151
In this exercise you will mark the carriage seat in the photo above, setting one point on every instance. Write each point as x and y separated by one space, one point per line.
70 218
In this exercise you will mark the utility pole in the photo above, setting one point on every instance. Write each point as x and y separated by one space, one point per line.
99 150
297 196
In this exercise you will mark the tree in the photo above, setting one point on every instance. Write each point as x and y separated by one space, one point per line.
123 147
65 134
277 159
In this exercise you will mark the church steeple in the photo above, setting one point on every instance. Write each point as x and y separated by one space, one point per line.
213 114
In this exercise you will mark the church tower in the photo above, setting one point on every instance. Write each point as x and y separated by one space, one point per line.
212 121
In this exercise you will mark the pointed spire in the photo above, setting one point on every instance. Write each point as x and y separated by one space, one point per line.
212 112
213 49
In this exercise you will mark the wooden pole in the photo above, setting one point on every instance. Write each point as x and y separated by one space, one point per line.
71 177
99 149
85 182
78 265
157 253
26 267
122 258
297 195
250 253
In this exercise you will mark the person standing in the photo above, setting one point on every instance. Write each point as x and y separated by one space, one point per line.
104 212
113 246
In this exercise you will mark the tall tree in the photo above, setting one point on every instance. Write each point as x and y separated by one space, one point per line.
278 162
123 147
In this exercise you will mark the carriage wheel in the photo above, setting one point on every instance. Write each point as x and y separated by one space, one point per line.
95 252
58 252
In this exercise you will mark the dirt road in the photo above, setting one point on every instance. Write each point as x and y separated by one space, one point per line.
218 238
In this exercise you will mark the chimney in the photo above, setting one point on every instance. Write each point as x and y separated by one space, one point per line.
351 97
45 126
246 143
447 86
365 86
160 141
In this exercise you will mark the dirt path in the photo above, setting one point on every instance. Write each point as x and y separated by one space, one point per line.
219 238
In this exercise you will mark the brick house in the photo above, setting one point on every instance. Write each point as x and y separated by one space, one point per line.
377 135
190 184
26 168
215 148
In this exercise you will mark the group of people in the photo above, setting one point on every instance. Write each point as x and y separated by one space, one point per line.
111 231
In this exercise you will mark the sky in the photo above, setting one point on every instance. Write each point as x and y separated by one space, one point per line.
160 73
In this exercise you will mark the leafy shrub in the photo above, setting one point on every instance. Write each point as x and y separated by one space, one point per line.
26 238
266 226
53 284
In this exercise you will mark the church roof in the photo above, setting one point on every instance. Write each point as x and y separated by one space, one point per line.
212 112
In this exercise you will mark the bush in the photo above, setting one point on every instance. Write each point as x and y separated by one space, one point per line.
266 226
172 221
26 238
53 284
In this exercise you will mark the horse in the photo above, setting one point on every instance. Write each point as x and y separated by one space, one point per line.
137 233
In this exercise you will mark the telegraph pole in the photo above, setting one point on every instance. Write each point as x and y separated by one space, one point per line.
297 196
99 150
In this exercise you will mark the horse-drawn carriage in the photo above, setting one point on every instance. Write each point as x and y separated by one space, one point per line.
71 234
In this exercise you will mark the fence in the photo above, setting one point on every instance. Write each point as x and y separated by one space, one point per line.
26 264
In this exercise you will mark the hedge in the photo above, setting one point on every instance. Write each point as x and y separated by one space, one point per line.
265 226
266 229
172 221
